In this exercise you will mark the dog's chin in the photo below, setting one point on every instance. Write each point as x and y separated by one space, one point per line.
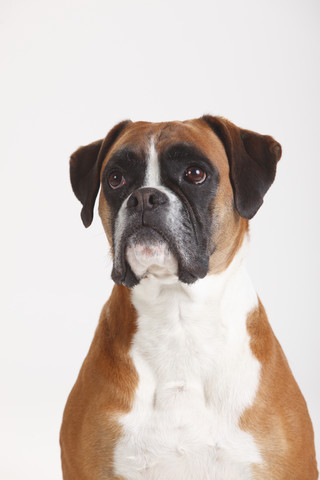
146 253
152 259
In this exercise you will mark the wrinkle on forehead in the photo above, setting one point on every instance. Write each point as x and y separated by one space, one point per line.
138 136
197 133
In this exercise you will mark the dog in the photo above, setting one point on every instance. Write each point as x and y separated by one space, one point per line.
184 379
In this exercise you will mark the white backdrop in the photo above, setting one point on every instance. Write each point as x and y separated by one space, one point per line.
70 69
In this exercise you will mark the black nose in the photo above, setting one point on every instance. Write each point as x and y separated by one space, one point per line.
146 199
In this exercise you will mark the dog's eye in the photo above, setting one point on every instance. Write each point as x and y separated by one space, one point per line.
116 180
195 175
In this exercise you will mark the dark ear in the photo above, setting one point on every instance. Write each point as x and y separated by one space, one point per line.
85 166
252 159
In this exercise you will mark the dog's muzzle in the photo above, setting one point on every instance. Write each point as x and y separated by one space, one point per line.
154 234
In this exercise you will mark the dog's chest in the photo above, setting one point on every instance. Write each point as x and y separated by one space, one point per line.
196 377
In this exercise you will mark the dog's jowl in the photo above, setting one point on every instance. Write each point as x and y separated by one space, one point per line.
184 379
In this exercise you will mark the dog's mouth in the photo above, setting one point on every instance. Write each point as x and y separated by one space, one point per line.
144 252
148 253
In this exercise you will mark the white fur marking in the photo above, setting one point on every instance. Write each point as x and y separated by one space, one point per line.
152 178
119 229
197 375
152 259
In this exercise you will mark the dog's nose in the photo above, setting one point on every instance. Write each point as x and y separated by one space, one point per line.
146 199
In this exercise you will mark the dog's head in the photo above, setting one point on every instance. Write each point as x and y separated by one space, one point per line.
175 197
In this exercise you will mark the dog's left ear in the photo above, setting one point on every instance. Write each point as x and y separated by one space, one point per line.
85 166
252 160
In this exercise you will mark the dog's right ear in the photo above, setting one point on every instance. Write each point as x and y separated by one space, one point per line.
85 166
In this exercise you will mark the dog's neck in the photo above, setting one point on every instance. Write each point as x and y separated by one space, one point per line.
188 334
220 294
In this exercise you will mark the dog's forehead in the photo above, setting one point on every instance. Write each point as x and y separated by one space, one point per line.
139 136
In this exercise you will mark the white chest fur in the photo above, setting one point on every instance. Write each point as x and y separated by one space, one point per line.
197 375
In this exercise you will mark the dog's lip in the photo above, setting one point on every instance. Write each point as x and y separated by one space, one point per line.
124 274
153 259
148 250
130 243
119 275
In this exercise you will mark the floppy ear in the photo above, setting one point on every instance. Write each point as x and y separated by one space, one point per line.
85 166
252 160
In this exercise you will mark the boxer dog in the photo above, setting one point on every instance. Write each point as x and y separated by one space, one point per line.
184 379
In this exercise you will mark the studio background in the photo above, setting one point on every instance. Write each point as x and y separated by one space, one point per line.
72 69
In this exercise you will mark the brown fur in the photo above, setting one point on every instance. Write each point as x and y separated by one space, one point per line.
279 419
104 389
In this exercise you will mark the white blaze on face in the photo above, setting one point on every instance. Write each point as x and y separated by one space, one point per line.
152 178
155 259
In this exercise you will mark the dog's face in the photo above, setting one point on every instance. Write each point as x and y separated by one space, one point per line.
175 197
